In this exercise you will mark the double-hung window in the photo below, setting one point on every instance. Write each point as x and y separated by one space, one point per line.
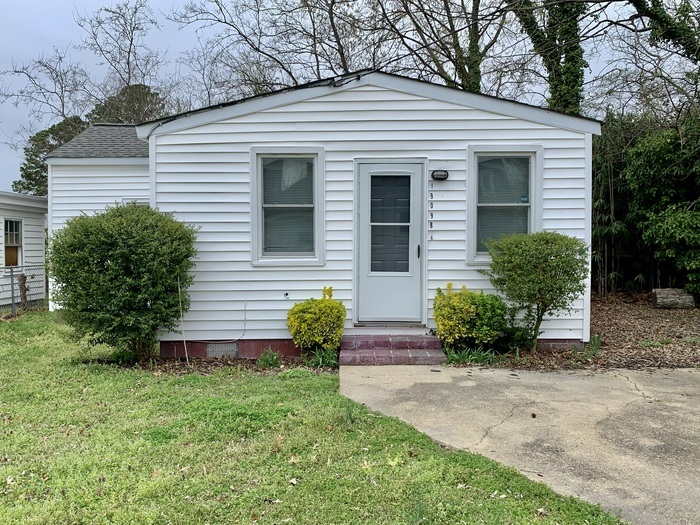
13 242
288 206
503 196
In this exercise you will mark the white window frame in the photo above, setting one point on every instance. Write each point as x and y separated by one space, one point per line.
20 254
536 154
257 153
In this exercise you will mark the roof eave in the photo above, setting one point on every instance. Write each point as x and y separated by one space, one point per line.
30 202
96 161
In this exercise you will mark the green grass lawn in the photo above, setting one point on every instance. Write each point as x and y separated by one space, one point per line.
82 442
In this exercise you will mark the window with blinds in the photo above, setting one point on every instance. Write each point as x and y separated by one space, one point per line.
503 197
287 206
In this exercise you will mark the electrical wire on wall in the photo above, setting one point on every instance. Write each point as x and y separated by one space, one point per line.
245 326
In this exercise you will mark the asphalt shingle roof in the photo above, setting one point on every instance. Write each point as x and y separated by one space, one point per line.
103 141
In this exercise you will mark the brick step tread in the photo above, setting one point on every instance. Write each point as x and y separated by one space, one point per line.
392 356
396 342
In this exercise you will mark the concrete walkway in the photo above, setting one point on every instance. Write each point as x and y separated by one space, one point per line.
628 440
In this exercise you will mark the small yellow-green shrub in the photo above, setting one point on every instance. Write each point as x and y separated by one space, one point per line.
467 318
317 324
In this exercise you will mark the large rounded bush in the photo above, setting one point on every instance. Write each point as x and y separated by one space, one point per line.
541 273
122 275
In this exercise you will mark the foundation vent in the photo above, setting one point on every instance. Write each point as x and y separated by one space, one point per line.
222 350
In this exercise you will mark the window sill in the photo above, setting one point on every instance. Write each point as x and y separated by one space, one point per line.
483 261
281 262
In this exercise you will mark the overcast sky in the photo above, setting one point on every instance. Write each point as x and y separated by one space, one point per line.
30 27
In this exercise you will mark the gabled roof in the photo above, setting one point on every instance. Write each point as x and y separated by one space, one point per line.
366 78
103 141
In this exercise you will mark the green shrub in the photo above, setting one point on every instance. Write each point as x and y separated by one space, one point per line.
122 275
317 324
268 359
540 273
675 235
516 337
467 319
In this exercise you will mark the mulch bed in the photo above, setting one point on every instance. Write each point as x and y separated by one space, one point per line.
633 335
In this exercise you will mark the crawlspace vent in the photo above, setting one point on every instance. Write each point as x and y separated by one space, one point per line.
222 350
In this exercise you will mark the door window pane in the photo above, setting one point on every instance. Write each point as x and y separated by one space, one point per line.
389 248
390 217
390 199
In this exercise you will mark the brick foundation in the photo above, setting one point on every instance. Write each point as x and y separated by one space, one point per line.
558 345
247 349
355 349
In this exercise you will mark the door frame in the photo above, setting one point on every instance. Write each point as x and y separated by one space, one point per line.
421 230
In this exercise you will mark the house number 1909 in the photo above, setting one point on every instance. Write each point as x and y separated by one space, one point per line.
430 212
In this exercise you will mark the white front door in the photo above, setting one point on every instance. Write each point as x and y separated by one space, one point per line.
390 242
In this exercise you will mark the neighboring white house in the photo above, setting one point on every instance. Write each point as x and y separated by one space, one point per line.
23 245
380 186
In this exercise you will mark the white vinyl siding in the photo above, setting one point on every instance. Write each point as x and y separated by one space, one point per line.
89 188
205 176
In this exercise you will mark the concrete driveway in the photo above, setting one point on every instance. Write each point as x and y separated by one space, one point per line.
628 440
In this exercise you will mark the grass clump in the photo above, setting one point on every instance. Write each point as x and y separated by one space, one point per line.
322 358
478 355
662 342
268 359
86 442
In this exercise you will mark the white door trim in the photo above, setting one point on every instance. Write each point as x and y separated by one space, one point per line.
420 229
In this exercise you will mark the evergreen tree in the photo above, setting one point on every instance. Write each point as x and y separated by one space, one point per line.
33 170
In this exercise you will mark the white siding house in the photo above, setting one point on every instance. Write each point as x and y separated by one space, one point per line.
334 184
23 245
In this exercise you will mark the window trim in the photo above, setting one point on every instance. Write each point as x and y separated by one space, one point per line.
536 154
20 254
257 153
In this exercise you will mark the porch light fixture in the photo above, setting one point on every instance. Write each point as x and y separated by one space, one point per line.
439 174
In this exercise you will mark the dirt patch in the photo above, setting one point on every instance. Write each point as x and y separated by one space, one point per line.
633 334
